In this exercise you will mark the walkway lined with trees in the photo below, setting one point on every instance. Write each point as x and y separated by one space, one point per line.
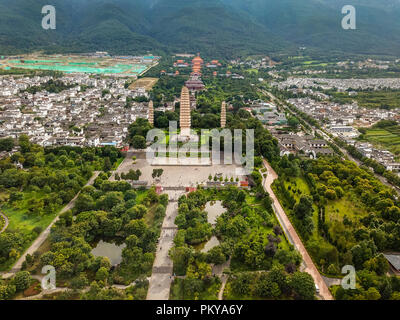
291 232
162 275
6 222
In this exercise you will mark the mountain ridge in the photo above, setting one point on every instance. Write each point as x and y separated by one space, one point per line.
220 27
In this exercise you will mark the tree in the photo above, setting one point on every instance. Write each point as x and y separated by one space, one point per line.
379 264
266 287
157 173
362 252
6 144
137 212
79 282
102 274
303 208
216 256
140 127
242 283
163 199
107 164
302 285
130 195
84 202
180 256
293 122
372 294
270 249
139 142
22 280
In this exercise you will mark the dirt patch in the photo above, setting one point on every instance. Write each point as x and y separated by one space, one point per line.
147 83
33 290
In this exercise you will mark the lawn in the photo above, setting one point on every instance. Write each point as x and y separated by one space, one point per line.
21 222
336 210
140 195
24 222
116 164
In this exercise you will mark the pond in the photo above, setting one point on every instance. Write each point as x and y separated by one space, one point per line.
214 209
109 250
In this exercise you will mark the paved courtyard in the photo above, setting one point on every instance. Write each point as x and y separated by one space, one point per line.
176 176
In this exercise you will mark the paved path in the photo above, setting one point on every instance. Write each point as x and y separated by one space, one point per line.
224 280
161 277
5 222
43 236
292 234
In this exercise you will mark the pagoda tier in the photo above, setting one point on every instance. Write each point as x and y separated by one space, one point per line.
185 117
223 115
151 112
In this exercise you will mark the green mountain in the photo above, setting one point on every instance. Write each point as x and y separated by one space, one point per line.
222 28
317 23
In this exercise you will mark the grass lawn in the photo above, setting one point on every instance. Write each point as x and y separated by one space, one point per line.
116 164
23 223
140 195
336 210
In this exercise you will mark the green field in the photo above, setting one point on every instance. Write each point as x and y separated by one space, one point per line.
387 138
370 99
26 224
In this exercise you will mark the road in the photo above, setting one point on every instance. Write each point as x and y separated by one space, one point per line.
43 236
292 234
162 275
6 222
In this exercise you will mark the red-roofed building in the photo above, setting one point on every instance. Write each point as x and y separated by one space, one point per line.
159 189
244 184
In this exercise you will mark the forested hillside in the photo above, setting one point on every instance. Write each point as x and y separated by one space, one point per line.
222 28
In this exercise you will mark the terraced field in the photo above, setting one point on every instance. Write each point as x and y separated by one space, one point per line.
370 99
387 138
